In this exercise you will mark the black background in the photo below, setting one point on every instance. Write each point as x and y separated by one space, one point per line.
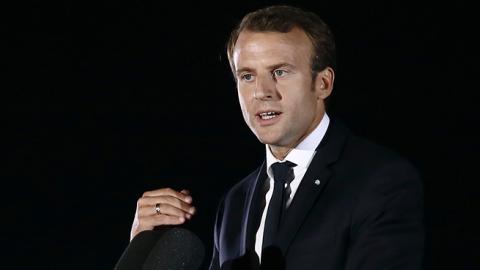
108 99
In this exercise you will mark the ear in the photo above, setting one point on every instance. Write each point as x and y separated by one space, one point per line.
324 83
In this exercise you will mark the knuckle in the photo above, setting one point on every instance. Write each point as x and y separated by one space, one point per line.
141 213
182 206
169 200
178 204
161 219
141 224
171 220
140 202
167 210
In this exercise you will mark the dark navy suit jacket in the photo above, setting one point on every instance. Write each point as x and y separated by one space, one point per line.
364 212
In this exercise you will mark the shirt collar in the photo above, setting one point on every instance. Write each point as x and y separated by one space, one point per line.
303 153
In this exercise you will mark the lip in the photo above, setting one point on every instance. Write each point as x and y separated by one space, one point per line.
268 122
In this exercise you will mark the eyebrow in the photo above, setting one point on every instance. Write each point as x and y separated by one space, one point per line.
242 70
271 67
279 65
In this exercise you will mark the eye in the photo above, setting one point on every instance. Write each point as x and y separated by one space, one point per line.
246 77
279 73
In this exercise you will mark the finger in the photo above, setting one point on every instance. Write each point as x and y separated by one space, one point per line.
168 220
146 205
168 192
185 191
165 209
149 222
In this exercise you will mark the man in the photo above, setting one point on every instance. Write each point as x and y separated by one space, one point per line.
323 198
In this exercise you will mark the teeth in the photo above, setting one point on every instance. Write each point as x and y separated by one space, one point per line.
268 115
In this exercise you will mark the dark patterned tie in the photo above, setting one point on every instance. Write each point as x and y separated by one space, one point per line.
282 176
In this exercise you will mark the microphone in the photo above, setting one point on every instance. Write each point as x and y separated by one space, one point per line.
137 251
169 249
176 249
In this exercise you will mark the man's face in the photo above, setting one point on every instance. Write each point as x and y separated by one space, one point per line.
280 101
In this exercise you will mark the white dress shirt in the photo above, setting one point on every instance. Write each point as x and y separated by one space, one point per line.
301 155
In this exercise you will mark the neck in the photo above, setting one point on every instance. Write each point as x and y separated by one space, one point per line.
280 152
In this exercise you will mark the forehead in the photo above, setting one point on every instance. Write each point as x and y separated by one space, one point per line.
269 47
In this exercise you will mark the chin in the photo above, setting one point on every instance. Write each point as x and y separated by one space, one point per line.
270 135
265 139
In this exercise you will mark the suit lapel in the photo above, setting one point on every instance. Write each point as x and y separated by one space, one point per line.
314 181
253 209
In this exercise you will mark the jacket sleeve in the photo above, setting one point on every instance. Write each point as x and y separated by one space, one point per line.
387 229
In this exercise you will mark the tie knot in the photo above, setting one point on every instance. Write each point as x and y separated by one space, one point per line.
283 172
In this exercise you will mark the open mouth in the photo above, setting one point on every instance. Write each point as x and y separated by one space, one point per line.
268 115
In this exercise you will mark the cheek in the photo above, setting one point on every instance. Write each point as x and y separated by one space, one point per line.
243 106
303 106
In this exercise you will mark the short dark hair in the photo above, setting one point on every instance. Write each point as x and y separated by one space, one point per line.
283 19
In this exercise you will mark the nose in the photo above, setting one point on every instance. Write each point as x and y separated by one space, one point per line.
265 88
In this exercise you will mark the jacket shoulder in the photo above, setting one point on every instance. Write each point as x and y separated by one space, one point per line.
372 155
